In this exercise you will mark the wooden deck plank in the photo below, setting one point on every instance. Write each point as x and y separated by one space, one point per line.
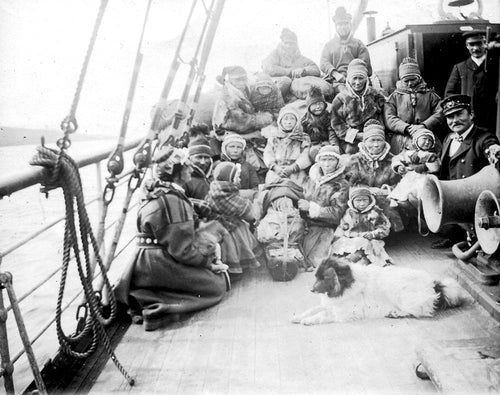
247 344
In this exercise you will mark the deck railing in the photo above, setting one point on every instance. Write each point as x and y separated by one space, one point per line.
17 182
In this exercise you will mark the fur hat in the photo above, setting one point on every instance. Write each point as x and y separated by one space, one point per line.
373 128
170 157
423 132
288 36
357 67
408 66
315 95
231 71
199 145
232 138
341 15
354 192
227 171
328 150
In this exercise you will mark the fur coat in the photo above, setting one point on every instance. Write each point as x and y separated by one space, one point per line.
363 169
405 107
351 111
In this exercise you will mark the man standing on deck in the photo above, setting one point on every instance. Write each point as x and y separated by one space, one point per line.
465 151
477 77
338 52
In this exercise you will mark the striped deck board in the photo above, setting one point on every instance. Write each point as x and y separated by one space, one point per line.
247 344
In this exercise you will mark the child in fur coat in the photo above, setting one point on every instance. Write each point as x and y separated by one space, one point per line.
413 165
316 123
235 213
233 150
287 152
362 229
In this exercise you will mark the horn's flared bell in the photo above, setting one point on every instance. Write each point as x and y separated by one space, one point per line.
487 221
453 202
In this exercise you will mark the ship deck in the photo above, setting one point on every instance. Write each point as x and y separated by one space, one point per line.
247 343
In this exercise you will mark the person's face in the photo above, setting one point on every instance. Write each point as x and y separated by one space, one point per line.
343 28
317 108
375 145
424 143
201 160
358 82
476 47
328 164
459 121
361 202
240 82
288 122
234 150
264 90
289 46
411 81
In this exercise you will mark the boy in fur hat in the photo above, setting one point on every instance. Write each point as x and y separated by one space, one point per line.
316 122
235 213
324 203
413 105
233 148
287 152
354 106
362 229
413 165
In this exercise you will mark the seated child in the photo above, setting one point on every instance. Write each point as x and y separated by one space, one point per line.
316 123
235 213
287 152
361 230
413 165
232 150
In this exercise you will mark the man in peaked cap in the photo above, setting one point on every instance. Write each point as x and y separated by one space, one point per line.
466 150
477 77
342 49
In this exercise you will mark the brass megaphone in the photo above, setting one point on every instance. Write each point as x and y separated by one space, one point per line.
453 202
487 221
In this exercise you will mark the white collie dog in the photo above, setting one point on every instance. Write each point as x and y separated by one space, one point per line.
351 292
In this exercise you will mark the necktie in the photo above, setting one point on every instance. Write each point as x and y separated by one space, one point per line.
458 138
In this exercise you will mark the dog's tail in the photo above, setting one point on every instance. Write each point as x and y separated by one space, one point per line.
450 294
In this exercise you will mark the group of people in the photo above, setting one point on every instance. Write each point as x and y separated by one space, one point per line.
318 156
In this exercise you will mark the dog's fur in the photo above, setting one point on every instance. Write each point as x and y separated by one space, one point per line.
351 292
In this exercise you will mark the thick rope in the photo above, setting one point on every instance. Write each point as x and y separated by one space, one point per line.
69 180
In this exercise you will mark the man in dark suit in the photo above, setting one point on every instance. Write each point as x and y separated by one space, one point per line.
477 77
465 151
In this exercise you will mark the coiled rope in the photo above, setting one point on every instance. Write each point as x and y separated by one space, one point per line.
68 177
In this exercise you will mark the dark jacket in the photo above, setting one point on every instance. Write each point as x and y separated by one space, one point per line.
199 185
470 157
467 78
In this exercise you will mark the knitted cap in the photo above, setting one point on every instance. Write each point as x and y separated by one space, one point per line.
199 145
288 36
373 128
357 67
314 96
226 171
232 138
341 15
328 150
408 66
359 191
423 132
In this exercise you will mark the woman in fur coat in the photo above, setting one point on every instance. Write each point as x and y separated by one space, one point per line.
371 166
287 152
236 214
325 202
355 105
411 106
361 230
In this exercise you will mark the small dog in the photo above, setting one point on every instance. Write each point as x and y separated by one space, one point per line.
206 241
352 292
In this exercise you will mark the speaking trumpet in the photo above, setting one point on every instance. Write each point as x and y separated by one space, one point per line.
487 221
453 202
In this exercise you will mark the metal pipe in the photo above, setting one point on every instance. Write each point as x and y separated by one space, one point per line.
21 180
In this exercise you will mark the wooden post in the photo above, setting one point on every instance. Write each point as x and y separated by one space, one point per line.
6 365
